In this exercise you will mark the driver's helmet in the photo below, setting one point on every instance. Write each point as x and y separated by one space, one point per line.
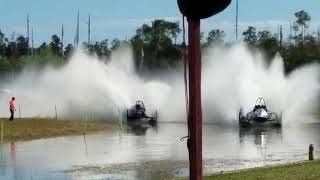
138 106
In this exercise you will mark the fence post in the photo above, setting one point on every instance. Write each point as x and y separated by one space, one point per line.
85 124
19 111
120 119
55 108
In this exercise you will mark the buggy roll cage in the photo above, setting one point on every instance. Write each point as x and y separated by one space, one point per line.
140 103
260 103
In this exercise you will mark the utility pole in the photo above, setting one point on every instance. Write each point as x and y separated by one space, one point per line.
194 11
142 59
318 34
89 30
195 109
278 33
62 34
237 16
76 40
290 35
28 34
142 53
318 37
31 41
280 41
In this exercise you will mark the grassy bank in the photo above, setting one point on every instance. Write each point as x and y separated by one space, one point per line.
303 170
29 128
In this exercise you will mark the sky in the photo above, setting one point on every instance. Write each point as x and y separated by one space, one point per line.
120 18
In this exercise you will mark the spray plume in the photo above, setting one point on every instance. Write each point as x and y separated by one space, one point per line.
232 78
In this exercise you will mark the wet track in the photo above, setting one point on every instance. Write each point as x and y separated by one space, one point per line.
154 153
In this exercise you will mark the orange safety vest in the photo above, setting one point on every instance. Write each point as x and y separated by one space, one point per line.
11 104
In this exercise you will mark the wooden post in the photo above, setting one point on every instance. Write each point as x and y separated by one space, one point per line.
311 149
85 124
19 111
194 11
120 119
55 108
195 112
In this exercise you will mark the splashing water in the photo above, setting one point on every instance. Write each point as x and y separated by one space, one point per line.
235 78
84 84
232 78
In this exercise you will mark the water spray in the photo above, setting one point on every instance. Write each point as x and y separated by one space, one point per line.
232 78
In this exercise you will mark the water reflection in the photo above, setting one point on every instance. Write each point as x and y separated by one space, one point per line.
13 151
2 161
140 129
85 146
145 152
260 135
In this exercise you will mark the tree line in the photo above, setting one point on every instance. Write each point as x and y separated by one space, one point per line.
155 46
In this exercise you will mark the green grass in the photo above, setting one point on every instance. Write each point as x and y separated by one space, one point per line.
36 128
307 170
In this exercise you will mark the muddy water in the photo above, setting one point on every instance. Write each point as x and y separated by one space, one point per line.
154 153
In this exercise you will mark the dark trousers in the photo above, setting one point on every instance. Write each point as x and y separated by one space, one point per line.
12 114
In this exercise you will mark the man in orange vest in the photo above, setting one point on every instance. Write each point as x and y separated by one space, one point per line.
12 108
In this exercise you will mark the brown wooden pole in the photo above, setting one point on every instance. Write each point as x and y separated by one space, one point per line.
195 112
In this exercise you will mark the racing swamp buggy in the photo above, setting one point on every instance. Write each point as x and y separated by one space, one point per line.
136 115
259 116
